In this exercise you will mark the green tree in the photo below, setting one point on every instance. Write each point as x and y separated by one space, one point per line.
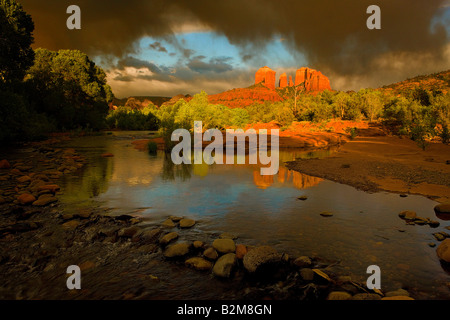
16 37
69 88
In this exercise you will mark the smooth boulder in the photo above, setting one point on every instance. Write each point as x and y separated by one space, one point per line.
177 250
224 265
224 245
260 257
198 263
443 250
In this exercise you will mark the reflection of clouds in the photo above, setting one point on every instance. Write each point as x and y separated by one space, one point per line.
133 167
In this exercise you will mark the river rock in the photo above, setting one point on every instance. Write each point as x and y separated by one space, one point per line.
397 298
107 155
51 187
44 201
4 164
186 223
307 274
227 235
439 236
199 263
128 232
260 257
224 245
408 215
339 295
443 250
26 198
442 208
303 262
150 235
198 244
177 250
168 238
433 223
326 214
72 224
241 251
23 179
168 223
398 292
211 253
224 265
366 296
175 218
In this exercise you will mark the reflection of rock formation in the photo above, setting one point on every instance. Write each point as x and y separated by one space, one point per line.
299 180
303 181
262 182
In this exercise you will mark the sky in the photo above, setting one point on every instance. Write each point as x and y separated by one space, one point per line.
170 47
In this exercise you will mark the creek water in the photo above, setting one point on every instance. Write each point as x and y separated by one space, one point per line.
365 228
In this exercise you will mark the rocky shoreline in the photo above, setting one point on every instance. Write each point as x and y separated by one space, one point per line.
129 257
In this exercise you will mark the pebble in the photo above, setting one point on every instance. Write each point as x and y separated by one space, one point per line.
198 244
303 262
241 251
408 215
211 253
326 214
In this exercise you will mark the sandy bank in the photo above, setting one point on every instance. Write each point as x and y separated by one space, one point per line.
372 162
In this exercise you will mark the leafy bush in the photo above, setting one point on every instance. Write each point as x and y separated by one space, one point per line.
152 147
125 118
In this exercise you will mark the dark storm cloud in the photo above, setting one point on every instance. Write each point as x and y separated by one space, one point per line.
331 34
158 47
138 64
216 65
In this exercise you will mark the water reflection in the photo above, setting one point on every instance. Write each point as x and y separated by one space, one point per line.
264 209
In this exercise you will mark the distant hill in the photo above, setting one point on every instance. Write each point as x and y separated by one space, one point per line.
144 100
432 82
242 97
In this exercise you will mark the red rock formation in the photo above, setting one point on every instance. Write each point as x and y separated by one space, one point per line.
313 80
243 97
266 76
283 81
291 83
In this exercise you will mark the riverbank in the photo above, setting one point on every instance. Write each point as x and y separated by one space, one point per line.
374 162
